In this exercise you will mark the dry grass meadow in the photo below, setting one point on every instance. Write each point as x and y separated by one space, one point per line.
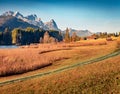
98 78
28 58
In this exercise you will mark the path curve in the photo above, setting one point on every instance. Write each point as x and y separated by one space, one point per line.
60 69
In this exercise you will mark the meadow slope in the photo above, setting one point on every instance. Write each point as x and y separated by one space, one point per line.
25 59
98 78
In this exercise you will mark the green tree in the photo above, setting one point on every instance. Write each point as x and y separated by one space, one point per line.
7 39
16 35
30 29
1 38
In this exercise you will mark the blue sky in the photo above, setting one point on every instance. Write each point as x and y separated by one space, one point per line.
94 15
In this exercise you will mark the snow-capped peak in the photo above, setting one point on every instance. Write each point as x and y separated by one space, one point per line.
52 20
8 13
18 15
51 25
33 19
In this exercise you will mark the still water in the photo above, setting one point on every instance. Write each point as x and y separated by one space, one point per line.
8 46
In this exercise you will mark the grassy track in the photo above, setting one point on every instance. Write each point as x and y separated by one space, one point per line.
60 69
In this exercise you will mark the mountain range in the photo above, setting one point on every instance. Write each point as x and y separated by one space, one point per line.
17 20
30 19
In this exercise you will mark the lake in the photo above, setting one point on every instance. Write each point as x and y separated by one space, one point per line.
8 46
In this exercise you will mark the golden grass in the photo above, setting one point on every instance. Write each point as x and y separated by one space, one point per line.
98 78
118 43
21 60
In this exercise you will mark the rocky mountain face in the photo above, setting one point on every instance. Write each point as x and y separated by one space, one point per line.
13 22
51 25
34 20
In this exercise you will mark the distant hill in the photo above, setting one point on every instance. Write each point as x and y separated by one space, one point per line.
80 33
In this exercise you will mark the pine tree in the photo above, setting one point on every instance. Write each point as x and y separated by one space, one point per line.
73 37
30 29
7 37
67 36
16 35
1 38
46 37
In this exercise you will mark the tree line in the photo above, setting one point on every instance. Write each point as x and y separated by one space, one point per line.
74 37
5 37
106 35
29 35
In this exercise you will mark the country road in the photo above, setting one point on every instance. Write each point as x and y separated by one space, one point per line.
60 69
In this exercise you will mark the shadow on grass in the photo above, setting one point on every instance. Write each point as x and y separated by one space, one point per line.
13 72
53 50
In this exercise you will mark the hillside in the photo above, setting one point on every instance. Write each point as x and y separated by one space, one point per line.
80 33
98 78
